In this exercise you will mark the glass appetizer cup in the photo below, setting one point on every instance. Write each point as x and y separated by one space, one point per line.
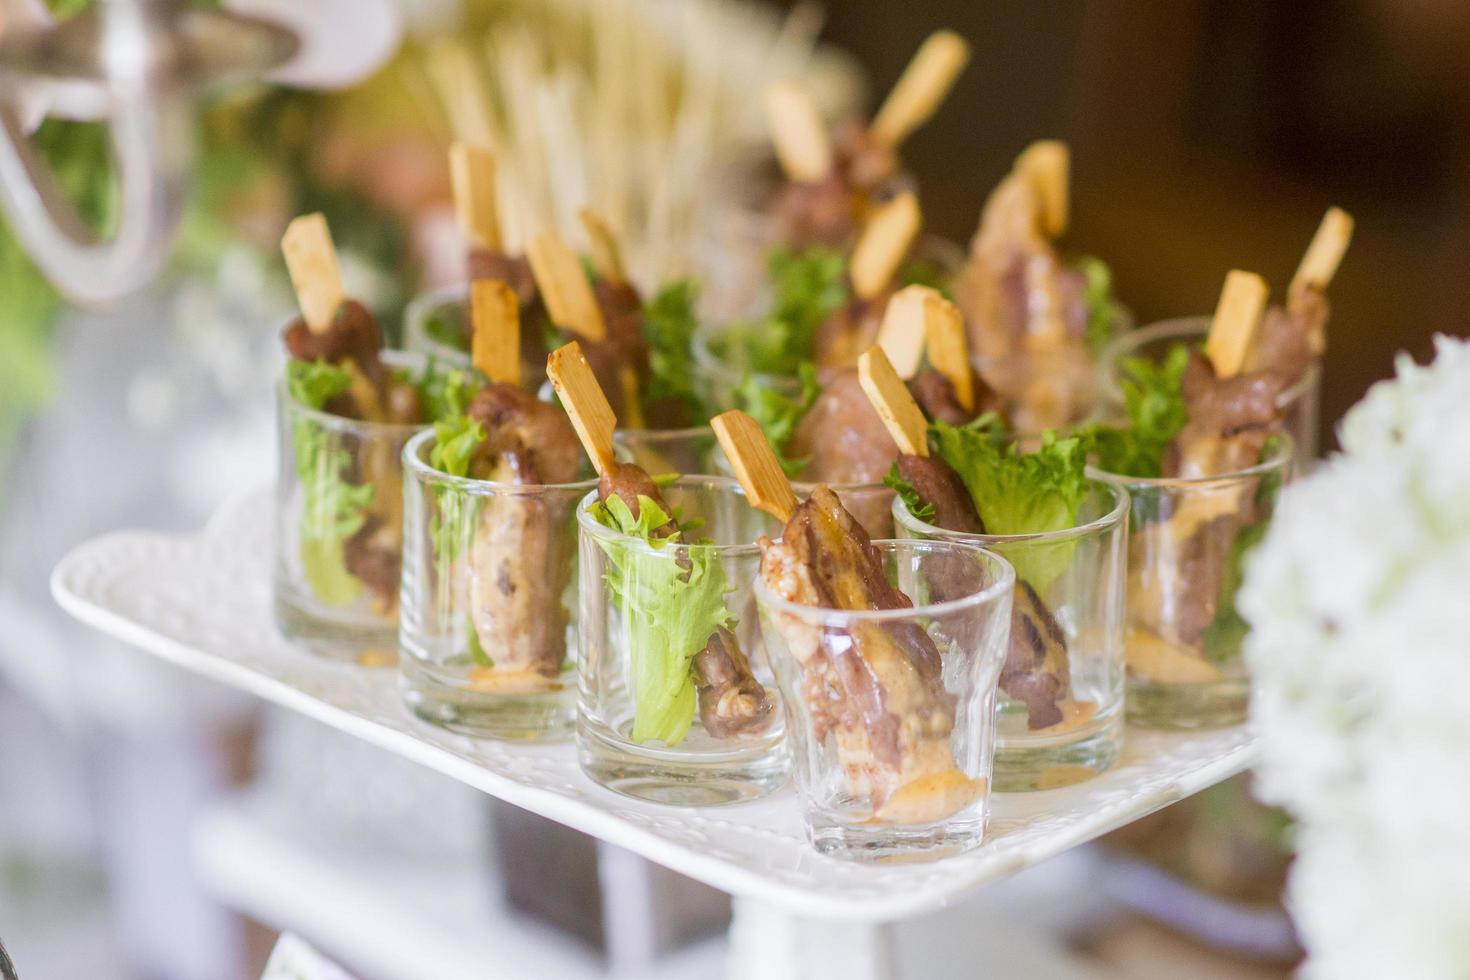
888 761
339 527
1301 403
1188 542
657 718
437 323
720 368
1061 688
488 637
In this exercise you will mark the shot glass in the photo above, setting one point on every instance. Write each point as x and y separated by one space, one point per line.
339 528
891 713
1301 403
488 637
1061 687
1188 541
676 701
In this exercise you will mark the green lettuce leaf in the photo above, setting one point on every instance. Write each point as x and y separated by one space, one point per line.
1156 412
669 323
445 393
1017 492
909 494
670 609
778 415
806 287
1102 308
314 383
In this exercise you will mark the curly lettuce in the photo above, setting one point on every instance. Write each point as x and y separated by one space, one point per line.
669 323
1102 309
807 287
332 509
1019 492
777 414
1156 412
670 609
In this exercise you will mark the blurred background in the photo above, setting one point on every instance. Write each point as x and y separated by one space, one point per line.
153 825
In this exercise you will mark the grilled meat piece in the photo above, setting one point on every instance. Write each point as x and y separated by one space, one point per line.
1230 420
936 396
513 270
876 689
353 335
1035 670
940 487
1290 339
374 556
831 211
520 556
842 436
731 699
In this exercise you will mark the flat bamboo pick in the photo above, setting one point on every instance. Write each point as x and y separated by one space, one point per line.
754 463
1242 302
891 400
564 287
607 258
312 262
472 174
798 133
1047 165
921 88
902 332
949 347
885 241
496 314
1324 255
585 403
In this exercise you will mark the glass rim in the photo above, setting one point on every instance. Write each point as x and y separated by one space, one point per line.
417 466
635 544
1286 449
341 423
1004 582
1126 344
1113 518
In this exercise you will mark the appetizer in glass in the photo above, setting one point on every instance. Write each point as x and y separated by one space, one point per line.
346 408
673 706
489 627
1038 321
1202 456
887 654
1061 717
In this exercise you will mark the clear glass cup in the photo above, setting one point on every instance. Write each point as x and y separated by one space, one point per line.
488 637
437 323
1061 703
1188 541
891 713
1301 403
339 524
631 598
720 369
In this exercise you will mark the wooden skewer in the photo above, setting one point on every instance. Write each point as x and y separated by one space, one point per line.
1242 302
798 133
472 174
607 258
902 332
585 403
1047 165
949 347
891 400
496 314
921 88
755 464
885 241
311 260
564 287
1324 255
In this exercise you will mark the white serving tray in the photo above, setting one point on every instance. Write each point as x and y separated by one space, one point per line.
204 602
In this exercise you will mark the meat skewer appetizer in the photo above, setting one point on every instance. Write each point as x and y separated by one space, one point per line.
695 660
351 480
832 188
1029 495
874 690
1040 320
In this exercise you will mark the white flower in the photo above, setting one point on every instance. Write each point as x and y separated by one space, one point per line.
1359 601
